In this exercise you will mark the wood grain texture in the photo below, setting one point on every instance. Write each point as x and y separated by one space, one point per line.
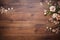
25 22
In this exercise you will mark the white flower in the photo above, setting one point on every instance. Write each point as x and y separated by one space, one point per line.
50 28
12 8
47 27
5 10
54 15
52 8
53 30
8 8
45 12
55 22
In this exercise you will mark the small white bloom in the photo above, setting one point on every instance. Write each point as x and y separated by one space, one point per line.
47 27
52 8
50 28
54 15
55 22
45 12
53 30
8 8
11 8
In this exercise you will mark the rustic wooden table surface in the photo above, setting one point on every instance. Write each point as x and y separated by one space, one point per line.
25 22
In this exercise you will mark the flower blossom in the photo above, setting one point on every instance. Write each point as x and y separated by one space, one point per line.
52 8
54 15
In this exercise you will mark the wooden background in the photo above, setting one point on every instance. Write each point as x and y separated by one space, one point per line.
25 22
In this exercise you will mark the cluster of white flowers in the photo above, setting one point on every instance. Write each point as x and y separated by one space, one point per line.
3 10
51 9
54 11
